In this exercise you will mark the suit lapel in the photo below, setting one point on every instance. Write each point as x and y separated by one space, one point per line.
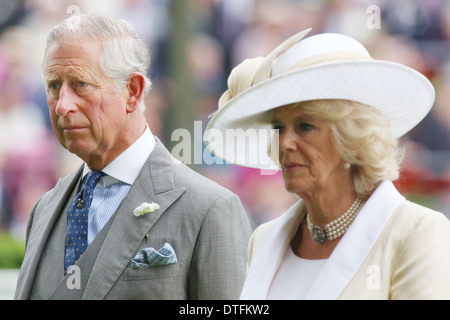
42 227
154 184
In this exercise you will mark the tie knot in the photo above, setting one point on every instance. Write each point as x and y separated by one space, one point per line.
92 178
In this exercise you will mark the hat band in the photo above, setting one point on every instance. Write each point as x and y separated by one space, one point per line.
328 57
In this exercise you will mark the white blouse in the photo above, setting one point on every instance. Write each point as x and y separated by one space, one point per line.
294 277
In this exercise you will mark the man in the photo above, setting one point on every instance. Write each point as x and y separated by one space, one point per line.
155 228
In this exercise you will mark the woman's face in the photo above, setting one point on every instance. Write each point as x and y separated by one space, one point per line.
307 154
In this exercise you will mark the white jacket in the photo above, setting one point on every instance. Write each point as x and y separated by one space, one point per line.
394 249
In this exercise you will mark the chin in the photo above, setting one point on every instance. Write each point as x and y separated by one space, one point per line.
79 149
294 188
298 185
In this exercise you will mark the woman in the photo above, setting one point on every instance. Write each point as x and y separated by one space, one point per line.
337 115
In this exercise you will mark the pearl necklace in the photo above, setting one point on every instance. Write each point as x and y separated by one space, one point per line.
336 228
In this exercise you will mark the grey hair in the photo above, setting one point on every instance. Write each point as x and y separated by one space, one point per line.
123 49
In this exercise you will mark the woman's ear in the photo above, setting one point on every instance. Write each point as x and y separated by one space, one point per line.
135 87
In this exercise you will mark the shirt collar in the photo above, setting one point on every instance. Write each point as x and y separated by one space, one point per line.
127 166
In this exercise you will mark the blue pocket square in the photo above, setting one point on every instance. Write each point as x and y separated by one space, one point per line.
149 257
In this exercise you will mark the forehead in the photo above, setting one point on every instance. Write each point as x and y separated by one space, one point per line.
72 56
291 112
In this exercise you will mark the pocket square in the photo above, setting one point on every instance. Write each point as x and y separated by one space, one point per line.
149 257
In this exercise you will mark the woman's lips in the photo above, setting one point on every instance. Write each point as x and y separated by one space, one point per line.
293 166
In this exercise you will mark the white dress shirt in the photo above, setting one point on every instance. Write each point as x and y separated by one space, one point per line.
114 186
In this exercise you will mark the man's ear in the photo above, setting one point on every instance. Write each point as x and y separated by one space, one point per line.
135 87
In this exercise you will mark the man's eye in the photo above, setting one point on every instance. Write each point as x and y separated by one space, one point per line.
54 86
82 84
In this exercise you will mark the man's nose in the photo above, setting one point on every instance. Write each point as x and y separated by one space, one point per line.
66 101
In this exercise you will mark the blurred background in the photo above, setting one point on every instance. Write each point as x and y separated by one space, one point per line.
194 46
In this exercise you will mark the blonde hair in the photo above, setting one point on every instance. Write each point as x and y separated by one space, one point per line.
363 139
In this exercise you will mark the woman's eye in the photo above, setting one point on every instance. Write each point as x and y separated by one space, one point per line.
306 126
279 128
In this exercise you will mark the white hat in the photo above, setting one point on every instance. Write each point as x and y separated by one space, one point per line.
323 66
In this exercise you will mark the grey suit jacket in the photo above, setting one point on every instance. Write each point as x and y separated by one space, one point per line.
204 223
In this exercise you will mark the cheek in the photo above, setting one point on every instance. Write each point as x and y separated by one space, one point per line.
328 161
51 104
106 118
113 112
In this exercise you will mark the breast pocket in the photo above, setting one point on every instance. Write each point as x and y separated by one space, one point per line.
156 272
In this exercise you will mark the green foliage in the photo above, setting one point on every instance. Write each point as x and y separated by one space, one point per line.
12 251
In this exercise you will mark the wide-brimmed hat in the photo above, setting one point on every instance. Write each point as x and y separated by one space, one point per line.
323 66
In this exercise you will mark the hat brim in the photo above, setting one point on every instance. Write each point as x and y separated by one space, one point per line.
403 95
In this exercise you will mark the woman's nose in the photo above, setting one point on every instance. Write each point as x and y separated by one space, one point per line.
287 140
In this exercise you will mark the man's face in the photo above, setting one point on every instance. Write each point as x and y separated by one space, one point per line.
88 115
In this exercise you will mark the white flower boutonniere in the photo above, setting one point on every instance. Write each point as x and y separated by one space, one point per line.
145 208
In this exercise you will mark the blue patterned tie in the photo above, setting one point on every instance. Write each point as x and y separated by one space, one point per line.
77 220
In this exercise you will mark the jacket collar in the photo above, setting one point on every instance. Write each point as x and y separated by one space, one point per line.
127 166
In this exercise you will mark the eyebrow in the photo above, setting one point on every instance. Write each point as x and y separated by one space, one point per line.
50 74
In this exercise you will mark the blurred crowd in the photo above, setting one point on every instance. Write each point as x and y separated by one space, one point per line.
221 34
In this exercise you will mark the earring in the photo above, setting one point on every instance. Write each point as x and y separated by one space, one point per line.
347 165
